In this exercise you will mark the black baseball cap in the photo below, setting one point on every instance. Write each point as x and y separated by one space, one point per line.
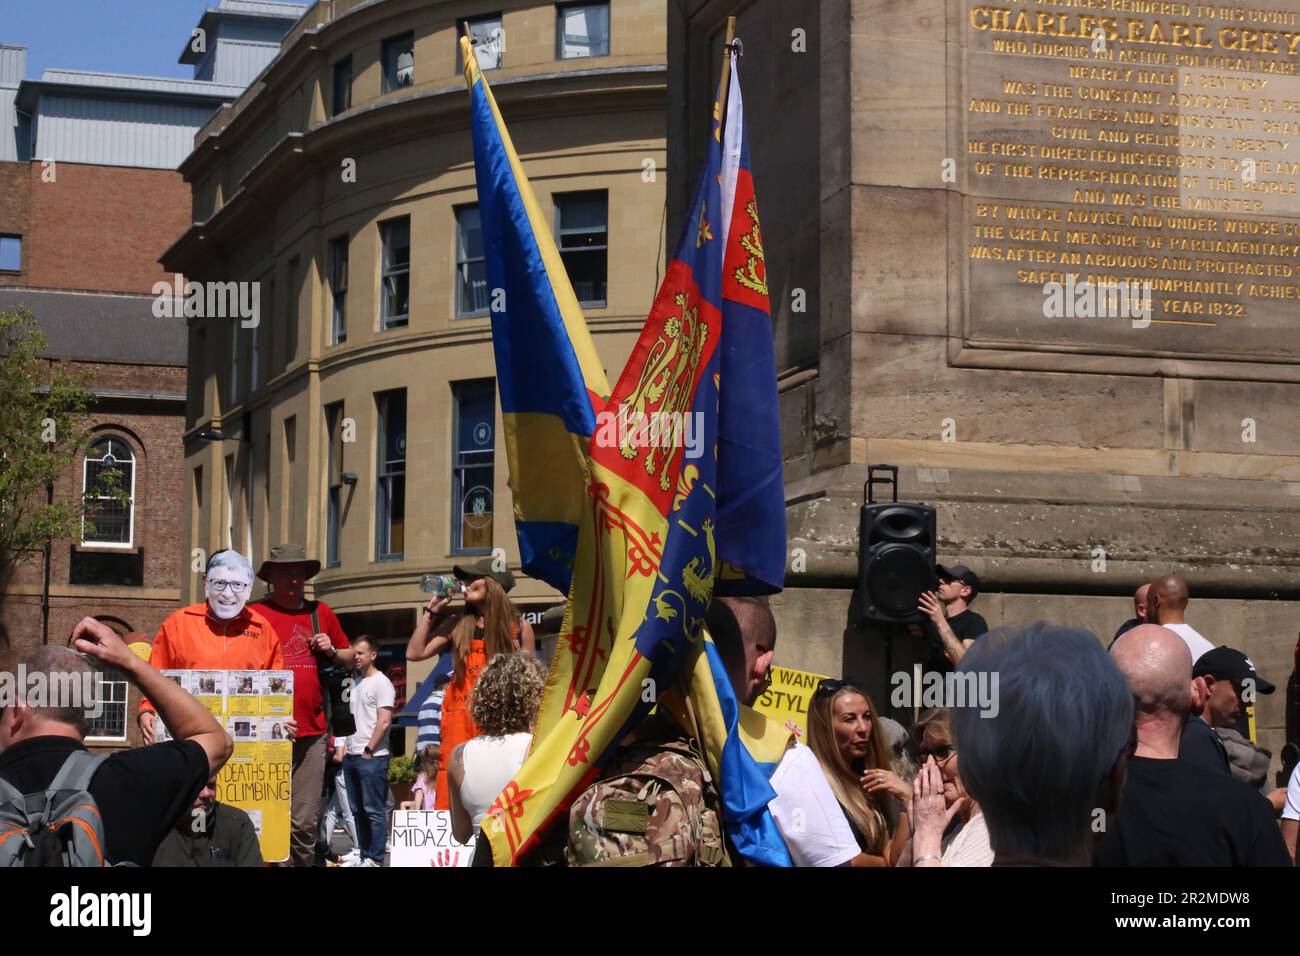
1225 663
959 572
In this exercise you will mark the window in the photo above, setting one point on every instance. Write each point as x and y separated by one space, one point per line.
581 29
396 292
582 230
390 497
339 288
108 481
334 482
472 464
110 693
342 86
399 62
489 42
471 266
11 253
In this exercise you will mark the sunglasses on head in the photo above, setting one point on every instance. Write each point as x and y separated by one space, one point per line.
834 686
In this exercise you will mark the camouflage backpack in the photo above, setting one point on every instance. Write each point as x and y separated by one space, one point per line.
656 806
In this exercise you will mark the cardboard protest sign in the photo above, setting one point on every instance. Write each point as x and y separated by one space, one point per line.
252 706
786 701
423 838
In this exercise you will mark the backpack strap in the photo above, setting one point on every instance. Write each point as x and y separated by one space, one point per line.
77 770
8 792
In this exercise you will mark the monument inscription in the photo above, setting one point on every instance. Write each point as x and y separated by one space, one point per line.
1148 145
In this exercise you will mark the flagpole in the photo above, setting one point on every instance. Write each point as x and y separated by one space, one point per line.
724 85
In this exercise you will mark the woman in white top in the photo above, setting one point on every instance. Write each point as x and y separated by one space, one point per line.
503 705
938 797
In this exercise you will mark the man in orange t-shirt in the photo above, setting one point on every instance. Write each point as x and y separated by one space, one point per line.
219 634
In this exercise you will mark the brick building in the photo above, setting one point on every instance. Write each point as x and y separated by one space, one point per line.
89 200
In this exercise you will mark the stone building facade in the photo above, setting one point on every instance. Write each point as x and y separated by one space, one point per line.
1068 462
359 417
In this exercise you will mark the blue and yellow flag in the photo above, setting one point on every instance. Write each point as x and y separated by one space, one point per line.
649 555
551 381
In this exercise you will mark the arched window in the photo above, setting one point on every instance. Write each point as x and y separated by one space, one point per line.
109 488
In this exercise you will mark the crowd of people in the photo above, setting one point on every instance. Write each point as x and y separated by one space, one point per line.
1133 756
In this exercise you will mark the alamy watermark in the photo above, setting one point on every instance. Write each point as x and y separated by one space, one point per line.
208 300
57 690
978 689
630 430
1098 300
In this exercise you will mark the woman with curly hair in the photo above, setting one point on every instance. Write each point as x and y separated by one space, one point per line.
504 705
487 625
845 733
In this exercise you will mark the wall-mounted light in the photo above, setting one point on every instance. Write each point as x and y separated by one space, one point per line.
349 477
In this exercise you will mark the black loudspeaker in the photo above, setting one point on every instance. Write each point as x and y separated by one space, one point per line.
896 551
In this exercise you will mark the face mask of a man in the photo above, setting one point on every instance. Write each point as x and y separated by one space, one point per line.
227 593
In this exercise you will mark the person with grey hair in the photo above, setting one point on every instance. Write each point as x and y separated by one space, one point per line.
1174 813
1053 752
138 793
221 633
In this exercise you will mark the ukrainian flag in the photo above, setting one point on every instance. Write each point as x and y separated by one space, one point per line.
550 379
649 554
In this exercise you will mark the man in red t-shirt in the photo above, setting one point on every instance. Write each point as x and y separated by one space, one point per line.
287 571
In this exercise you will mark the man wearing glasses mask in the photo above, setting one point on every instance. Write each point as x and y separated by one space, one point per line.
221 633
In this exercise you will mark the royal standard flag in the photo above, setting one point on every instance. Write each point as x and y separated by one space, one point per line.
550 379
648 554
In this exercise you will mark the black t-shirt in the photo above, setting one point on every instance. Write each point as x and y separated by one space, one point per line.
1201 747
1122 630
967 626
140 792
1172 813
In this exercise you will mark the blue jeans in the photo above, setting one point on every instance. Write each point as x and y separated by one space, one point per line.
367 782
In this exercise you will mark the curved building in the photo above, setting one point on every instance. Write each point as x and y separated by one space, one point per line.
341 390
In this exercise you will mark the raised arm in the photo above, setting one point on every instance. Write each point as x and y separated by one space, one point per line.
432 632
185 717
953 648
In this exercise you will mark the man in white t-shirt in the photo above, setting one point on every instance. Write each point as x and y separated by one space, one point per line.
1291 811
365 767
1167 605
805 810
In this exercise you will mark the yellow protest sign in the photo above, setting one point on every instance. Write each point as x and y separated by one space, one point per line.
786 700
252 706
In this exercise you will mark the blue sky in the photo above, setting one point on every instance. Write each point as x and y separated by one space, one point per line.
108 36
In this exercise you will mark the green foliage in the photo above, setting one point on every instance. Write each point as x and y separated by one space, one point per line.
43 427
403 769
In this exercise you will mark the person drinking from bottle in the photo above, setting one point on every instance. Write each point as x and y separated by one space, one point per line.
486 625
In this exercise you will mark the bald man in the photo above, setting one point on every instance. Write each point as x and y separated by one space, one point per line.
1172 813
1140 597
1166 605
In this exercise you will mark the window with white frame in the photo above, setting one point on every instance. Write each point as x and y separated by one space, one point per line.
108 484
110 725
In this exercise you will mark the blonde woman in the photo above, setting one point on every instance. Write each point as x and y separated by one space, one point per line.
487 625
504 705
846 735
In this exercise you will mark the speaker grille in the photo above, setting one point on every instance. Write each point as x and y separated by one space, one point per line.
896 576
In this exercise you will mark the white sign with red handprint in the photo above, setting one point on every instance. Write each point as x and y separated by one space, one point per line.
423 838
